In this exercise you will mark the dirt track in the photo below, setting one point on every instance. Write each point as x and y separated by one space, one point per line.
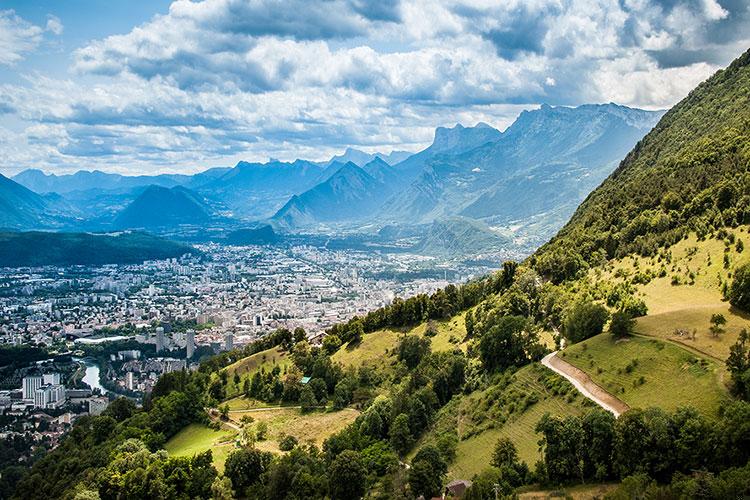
584 384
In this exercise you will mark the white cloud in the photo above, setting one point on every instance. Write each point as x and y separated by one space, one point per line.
222 80
17 37
54 25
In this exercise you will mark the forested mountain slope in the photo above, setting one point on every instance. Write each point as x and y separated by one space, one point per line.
689 173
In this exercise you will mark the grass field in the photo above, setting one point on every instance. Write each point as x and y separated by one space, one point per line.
647 372
696 318
197 438
377 348
481 418
312 427
246 367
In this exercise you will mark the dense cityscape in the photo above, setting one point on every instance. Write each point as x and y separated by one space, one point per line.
113 330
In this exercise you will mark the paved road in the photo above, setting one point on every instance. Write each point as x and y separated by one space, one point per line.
584 384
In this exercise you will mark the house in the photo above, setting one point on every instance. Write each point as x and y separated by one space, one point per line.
457 488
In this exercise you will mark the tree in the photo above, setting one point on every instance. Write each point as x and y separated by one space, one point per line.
299 334
347 476
307 398
261 432
585 320
739 291
504 343
400 435
427 472
245 466
412 349
121 409
331 344
221 489
717 324
738 364
224 412
622 324
287 443
563 447
505 454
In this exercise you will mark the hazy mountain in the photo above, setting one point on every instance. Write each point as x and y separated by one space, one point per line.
380 170
360 158
448 142
349 194
162 207
532 176
460 237
258 190
21 208
83 180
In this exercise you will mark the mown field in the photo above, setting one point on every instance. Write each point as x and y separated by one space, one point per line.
377 348
197 438
650 372
688 293
679 326
313 427
246 367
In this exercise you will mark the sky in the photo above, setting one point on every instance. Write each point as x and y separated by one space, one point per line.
151 86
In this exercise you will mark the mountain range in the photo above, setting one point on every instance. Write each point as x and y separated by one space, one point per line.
523 182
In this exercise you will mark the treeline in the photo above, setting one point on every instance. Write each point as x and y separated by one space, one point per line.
442 304
598 447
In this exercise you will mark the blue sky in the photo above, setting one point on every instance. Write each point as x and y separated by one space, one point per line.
158 86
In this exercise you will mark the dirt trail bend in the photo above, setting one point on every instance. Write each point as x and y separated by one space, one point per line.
584 384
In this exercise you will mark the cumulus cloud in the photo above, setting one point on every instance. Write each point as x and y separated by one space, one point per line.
221 80
17 37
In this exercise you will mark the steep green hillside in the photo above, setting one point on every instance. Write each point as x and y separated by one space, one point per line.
689 172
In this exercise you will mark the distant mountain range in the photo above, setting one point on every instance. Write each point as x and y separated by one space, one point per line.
519 185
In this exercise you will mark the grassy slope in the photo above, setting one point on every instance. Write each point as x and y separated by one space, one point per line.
482 417
311 427
376 348
246 367
197 438
672 376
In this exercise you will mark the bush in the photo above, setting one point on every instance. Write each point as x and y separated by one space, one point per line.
287 443
621 325
585 320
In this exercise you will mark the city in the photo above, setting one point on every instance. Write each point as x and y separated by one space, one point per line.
110 331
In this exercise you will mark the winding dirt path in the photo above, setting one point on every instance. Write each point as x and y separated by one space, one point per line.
584 384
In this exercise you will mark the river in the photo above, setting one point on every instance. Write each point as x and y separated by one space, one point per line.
92 374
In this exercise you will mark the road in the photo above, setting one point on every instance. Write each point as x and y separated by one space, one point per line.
584 384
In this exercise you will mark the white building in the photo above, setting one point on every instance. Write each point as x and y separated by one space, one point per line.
49 396
98 405
30 385
52 378
159 339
